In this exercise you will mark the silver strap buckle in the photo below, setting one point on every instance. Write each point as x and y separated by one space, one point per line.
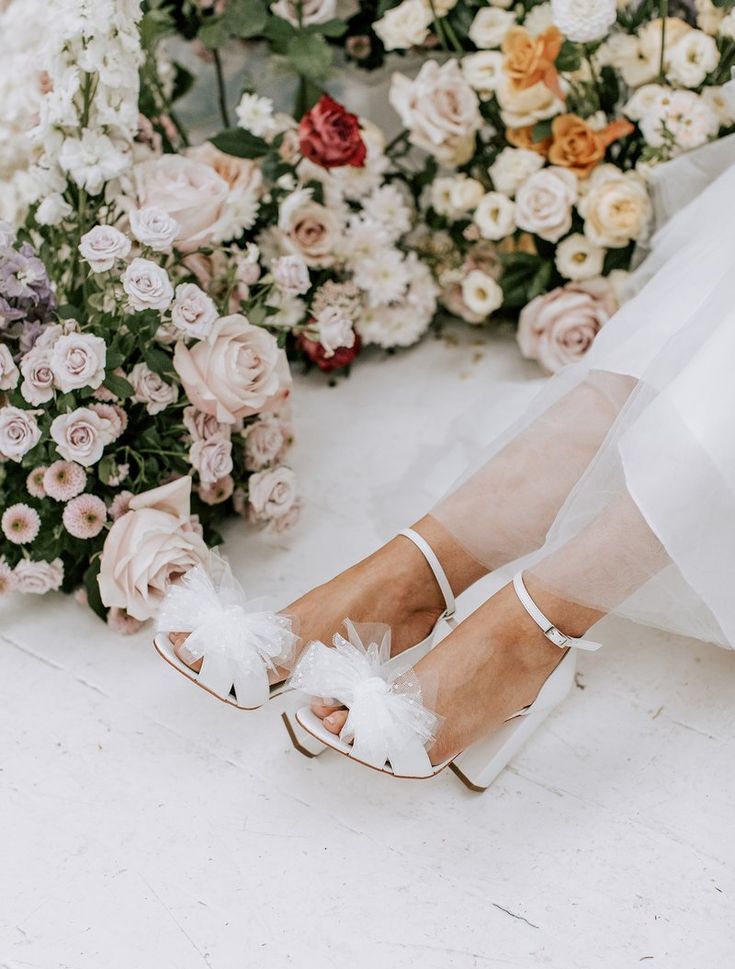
556 637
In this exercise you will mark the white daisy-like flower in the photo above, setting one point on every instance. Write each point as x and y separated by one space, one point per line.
384 277
388 205
255 114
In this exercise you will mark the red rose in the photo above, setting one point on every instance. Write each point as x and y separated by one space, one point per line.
318 355
330 136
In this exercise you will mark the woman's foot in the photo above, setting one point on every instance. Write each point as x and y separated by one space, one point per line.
486 670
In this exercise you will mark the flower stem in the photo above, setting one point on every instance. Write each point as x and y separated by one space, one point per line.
221 89
593 71
664 11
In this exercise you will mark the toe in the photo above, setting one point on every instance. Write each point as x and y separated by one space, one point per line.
178 641
322 708
335 721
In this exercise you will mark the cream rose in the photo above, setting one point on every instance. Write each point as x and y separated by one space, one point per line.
616 208
193 312
544 203
202 426
148 546
154 227
309 230
237 371
559 327
38 377
523 107
103 246
440 110
19 432
81 436
147 286
266 442
151 389
483 71
513 167
78 360
406 25
191 193
212 458
272 493
9 373
38 578
490 26
495 216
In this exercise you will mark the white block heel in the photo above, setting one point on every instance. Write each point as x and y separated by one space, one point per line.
304 740
389 729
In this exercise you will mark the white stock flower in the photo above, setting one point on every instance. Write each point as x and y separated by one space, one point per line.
490 26
453 196
103 246
584 21
53 210
92 160
544 203
151 389
483 71
78 360
482 294
154 227
495 216
406 25
147 286
578 258
193 312
692 59
255 114
512 167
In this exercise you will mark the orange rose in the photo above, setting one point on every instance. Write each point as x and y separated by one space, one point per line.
529 59
523 138
578 147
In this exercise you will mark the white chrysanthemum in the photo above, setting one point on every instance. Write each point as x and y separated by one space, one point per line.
364 239
241 211
255 114
383 278
584 21
578 258
388 205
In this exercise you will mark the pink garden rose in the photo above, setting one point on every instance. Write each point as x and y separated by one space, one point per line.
271 493
81 436
236 372
19 432
147 546
559 327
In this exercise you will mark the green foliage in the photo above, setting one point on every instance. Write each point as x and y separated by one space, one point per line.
310 56
241 143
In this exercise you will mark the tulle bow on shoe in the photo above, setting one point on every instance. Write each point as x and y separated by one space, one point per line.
239 641
387 722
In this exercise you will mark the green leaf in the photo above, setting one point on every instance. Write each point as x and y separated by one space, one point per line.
119 386
93 590
158 361
310 56
569 57
238 142
106 468
245 18
279 32
332 28
214 33
183 82
114 359
724 3
541 131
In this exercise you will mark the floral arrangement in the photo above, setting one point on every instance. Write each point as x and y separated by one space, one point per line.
139 405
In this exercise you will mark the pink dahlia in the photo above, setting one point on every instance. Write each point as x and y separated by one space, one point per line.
34 482
64 480
20 524
120 505
85 516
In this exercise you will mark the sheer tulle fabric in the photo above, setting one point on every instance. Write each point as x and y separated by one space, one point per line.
619 480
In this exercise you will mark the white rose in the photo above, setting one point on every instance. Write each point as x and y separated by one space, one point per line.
19 432
490 27
455 195
481 293
584 21
272 493
193 311
80 436
483 71
78 360
266 442
147 285
692 59
544 203
38 578
53 210
102 246
151 389
406 25
512 167
577 258
335 329
495 216
212 458
616 208
291 275
520 108
9 373
440 110
305 12
154 227
38 377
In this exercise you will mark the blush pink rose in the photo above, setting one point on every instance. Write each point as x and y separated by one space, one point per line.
236 372
559 327
148 546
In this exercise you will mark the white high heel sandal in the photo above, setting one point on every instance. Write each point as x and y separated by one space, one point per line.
304 740
388 726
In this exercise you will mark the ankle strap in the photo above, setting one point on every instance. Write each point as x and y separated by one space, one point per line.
546 625
436 567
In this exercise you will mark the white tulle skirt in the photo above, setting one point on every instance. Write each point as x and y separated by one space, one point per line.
618 484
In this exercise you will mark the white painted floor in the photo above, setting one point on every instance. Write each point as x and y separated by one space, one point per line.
146 826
